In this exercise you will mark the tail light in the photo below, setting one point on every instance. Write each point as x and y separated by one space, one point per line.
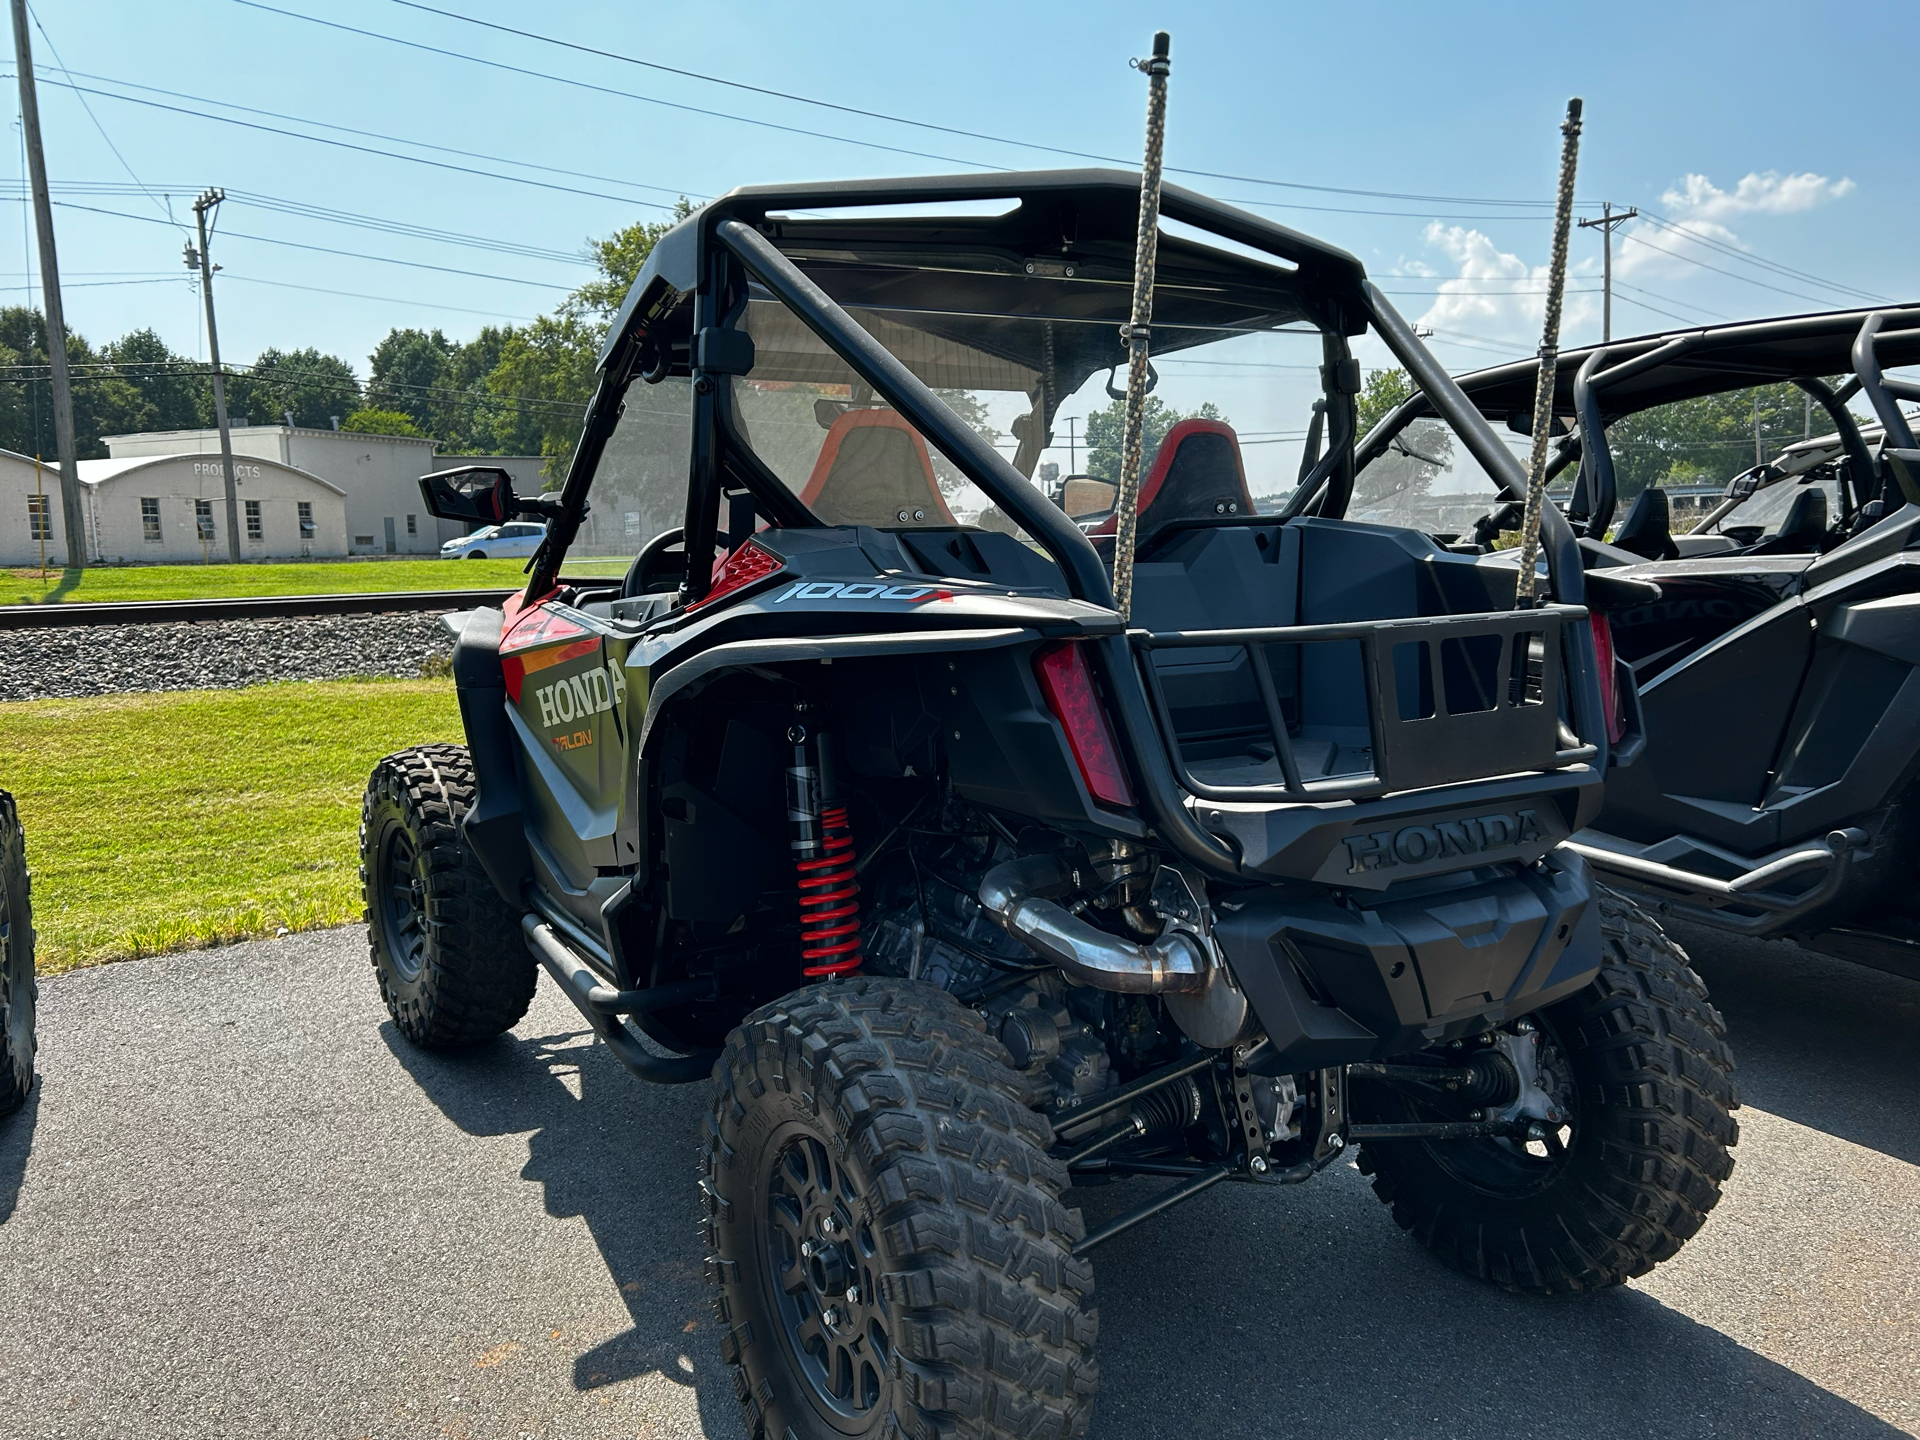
1609 692
1067 682
750 563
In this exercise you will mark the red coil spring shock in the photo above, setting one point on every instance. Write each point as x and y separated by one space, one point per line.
829 907
823 851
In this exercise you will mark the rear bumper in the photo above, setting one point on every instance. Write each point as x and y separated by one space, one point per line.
1418 963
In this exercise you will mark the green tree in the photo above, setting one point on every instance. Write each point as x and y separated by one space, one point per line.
167 391
548 366
1384 390
1106 433
314 387
382 422
407 372
1708 439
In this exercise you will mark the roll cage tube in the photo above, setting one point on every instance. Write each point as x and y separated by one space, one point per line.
1859 460
1086 577
1593 493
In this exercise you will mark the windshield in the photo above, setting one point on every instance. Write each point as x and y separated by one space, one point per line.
640 485
1763 512
1024 386
1426 480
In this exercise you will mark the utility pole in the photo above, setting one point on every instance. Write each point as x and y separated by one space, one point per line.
70 513
207 201
1073 448
1758 458
1606 225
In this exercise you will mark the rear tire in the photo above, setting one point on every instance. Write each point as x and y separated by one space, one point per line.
1651 1097
446 946
877 1122
19 991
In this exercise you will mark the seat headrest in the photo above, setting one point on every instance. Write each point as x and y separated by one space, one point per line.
872 466
1196 474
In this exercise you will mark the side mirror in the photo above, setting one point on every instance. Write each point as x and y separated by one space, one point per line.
471 492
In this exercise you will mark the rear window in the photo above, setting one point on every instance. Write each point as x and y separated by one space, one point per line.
1427 480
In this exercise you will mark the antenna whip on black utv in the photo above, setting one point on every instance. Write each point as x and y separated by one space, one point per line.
1138 331
1549 358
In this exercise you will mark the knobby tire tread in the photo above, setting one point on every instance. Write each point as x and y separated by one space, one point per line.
19 989
1655 1079
477 977
994 1318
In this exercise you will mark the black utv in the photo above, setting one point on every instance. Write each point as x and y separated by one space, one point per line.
858 797
1778 667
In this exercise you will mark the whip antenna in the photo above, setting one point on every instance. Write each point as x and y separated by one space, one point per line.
1138 331
1549 359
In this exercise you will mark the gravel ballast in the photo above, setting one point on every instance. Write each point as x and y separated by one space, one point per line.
214 654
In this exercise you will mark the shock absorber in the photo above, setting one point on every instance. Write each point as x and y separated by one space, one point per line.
823 858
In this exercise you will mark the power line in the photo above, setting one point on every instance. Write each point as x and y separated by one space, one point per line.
852 110
328 250
1756 260
1633 239
55 52
385 154
383 299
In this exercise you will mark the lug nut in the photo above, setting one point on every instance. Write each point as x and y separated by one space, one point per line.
830 1225
1258 1164
830 1315
806 1249
1336 1142
853 1294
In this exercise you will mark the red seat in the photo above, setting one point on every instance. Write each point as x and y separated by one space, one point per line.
872 466
1196 474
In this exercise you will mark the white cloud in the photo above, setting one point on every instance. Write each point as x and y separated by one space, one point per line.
1492 292
1759 193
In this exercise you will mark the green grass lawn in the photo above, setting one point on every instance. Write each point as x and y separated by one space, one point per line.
302 577
172 821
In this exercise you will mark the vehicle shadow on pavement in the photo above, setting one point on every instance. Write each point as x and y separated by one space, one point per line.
620 1156
1317 1315
1822 1042
16 1144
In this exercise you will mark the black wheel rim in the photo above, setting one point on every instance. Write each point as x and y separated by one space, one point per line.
822 1275
1514 1168
403 904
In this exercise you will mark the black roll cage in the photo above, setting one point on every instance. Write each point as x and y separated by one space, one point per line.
1855 338
727 245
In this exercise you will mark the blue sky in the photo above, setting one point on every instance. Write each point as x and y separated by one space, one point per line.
1768 134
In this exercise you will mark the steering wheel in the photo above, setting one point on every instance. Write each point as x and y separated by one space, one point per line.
657 567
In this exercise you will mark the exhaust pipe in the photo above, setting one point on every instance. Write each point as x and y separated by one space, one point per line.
1016 895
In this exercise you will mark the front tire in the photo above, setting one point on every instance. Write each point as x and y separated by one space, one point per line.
446 946
19 991
476 554
890 1249
1649 1095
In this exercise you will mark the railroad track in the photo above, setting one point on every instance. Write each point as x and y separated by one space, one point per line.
259 607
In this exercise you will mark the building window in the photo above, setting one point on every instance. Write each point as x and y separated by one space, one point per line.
413 525
203 519
306 519
254 531
363 539
150 519
39 517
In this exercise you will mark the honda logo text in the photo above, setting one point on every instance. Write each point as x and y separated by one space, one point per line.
1415 844
578 696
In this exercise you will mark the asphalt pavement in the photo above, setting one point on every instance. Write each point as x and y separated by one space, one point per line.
239 1205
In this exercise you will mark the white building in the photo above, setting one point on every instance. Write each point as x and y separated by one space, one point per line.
155 508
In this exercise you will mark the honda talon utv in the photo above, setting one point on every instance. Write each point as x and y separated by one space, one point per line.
857 796
1794 605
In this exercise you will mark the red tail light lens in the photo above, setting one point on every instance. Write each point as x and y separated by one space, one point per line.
1067 682
1609 692
751 562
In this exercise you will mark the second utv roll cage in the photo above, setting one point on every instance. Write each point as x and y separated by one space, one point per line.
714 256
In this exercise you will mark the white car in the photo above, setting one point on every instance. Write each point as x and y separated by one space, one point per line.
517 537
